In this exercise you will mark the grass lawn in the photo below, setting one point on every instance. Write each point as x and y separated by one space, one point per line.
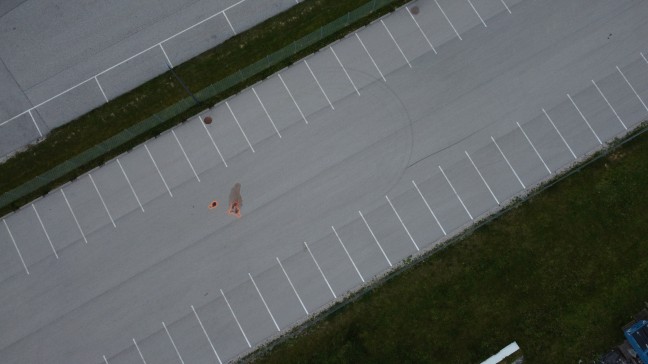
213 65
560 274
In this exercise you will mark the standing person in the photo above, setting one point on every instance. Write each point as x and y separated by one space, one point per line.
235 201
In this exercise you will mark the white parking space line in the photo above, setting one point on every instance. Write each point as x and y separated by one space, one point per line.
202 122
633 89
318 84
129 184
476 12
509 163
534 148
206 335
236 319
506 6
456 194
291 285
421 30
292 98
45 231
644 57
448 19
166 56
395 42
102 199
402 223
584 119
139 351
105 360
239 125
345 71
16 246
482 177
35 123
429 208
375 239
559 134
266 112
158 170
348 255
369 54
228 22
74 216
610 105
185 155
320 270
264 302
172 342
101 89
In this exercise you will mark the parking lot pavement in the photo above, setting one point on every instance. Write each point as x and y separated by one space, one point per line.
361 172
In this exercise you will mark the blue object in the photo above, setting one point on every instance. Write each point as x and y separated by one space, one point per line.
637 336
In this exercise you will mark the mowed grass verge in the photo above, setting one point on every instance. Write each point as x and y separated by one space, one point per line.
559 273
216 64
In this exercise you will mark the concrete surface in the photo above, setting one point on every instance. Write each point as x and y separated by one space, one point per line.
51 51
378 175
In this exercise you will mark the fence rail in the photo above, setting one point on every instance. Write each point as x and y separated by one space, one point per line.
185 104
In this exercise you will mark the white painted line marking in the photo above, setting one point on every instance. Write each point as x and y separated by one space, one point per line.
102 200
633 89
479 16
16 246
509 163
429 208
239 125
482 177
264 302
206 335
559 134
74 216
129 184
534 148
397 46
421 30
35 123
318 84
644 57
165 56
402 223
172 342
105 360
185 154
291 285
212 140
506 6
101 89
610 105
456 194
139 351
448 19
369 54
293 99
320 270
345 71
375 239
228 22
266 112
158 170
348 255
584 119
45 231
236 319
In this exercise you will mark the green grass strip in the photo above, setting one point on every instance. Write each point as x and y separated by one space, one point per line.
118 126
559 273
